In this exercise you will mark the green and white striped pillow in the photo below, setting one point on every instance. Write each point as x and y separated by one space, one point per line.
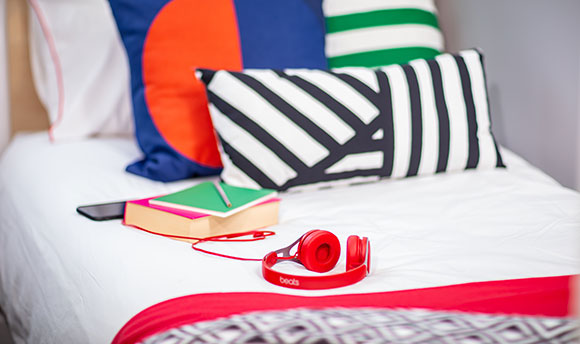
373 33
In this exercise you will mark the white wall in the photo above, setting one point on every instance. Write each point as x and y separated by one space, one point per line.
532 54
4 104
577 186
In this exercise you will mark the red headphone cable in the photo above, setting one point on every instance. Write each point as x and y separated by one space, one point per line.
256 235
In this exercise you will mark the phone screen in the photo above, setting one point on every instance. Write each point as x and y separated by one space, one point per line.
104 211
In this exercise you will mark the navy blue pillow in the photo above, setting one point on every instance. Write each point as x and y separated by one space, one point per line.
166 40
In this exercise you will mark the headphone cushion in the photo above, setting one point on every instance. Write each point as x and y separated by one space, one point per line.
356 251
319 250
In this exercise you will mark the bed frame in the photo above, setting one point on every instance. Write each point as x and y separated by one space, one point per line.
26 111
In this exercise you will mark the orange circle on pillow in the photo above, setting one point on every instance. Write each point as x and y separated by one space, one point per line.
183 36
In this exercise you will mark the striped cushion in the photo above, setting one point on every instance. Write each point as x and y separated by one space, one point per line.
373 33
298 127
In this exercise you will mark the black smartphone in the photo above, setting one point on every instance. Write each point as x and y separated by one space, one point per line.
103 211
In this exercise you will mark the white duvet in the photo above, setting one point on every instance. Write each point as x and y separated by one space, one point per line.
66 279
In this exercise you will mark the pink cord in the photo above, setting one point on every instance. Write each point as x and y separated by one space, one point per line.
57 65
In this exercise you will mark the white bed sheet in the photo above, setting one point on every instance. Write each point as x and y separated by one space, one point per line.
66 279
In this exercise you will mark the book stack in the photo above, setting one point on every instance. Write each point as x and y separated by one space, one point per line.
200 212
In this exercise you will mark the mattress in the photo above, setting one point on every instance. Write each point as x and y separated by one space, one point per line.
66 279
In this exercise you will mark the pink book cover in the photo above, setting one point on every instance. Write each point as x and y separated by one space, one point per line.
188 214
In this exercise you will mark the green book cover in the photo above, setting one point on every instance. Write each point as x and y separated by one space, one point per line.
205 198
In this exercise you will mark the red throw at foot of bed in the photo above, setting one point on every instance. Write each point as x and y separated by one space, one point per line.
546 296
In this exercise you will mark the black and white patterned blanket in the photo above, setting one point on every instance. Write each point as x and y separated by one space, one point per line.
368 325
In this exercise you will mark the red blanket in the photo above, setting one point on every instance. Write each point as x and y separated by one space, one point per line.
547 296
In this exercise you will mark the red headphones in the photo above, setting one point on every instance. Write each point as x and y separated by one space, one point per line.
319 250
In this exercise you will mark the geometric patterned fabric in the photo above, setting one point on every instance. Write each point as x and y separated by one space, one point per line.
308 128
166 39
369 325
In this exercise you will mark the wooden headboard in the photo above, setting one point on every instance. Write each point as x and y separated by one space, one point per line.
26 111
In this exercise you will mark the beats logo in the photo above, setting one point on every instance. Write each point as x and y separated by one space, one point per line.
289 281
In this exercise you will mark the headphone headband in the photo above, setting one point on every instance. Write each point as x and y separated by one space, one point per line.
310 282
354 273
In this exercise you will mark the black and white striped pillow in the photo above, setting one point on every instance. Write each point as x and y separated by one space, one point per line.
299 127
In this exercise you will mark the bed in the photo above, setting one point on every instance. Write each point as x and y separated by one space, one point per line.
68 279
492 246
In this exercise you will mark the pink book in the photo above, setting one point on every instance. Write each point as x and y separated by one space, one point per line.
185 213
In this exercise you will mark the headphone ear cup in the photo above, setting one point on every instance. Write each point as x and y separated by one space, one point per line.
319 250
356 251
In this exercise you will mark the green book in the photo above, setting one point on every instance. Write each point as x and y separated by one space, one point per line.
206 198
